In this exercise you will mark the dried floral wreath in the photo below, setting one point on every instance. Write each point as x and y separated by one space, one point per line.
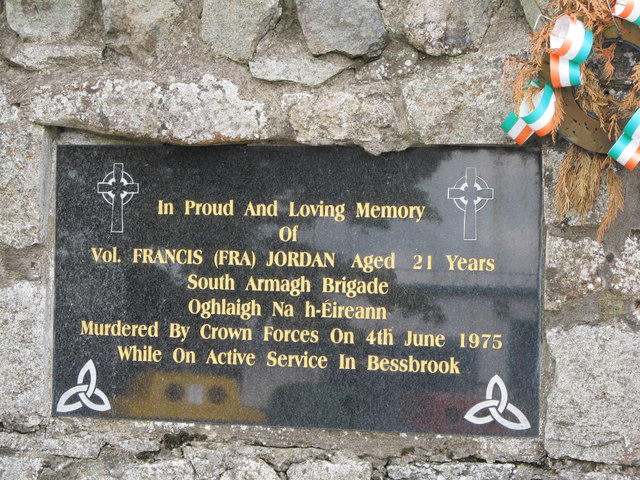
557 90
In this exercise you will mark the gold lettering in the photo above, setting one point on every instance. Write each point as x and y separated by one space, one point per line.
262 209
456 262
318 210
167 255
223 282
192 207
118 329
370 263
293 287
353 288
413 365
367 210
274 359
134 353
230 357
301 259
424 340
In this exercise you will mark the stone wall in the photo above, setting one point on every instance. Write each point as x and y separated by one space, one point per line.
385 75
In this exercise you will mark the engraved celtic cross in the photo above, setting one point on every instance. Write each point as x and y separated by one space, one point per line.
470 194
117 190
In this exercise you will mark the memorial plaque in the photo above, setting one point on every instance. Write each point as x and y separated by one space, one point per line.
300 286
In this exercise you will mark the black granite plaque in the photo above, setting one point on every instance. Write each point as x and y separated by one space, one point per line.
299 286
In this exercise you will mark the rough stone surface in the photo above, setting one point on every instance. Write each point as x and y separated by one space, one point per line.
468 100
352 27
212 462
469 471
507 35
528 472
440 27
321 470
532 12
463 106
205 111
47 20
233 28
167 469
367 118
597 476
24 356
504 450
393 15
77 445
43 57
594 393
217 458
626 269
8 113
572 269
398 60
250 470
13 468
282 55
21 184
70 136
135 27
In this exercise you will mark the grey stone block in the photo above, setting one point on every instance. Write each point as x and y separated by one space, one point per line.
532 12
24 357
15 468
283 55
250 470
172 469
8 113
322 469
594 394
233 28
23 152
204 111
352 27
462 471
441 27
47 57
47 20
398 60
626 268
572 269
464 106
364 116
137 27
72 445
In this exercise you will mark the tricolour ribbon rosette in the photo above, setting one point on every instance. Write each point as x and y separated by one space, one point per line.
563 72
626 151
516 128
570 44
538 113
627 9
535 115
571 39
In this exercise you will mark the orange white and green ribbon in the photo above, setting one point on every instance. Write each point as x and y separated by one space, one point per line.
564 72
626 151
535 115
627 9
570 39
516 128
539 112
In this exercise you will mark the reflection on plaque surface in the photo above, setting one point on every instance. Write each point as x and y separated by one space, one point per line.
300 286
